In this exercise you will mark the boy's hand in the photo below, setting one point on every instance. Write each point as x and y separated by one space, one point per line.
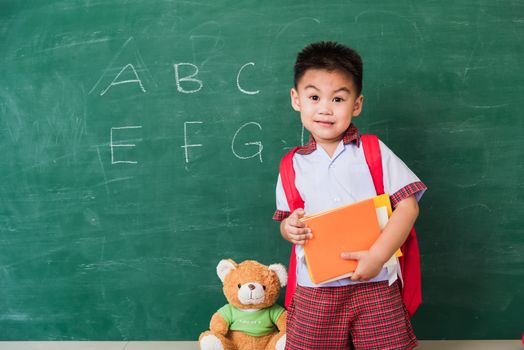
294 230
369 265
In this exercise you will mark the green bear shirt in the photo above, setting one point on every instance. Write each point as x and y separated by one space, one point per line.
255 323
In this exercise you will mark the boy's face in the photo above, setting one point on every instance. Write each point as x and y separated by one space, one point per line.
327 102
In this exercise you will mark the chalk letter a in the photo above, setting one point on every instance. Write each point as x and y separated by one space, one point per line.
120 82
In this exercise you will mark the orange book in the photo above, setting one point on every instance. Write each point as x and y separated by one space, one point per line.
348 228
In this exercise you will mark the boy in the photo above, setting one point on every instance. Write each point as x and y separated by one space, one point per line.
365 311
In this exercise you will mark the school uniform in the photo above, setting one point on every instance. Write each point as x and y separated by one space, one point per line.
326 182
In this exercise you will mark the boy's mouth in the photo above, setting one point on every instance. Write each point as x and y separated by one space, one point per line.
324 122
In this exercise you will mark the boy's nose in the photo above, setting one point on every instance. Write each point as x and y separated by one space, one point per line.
325 108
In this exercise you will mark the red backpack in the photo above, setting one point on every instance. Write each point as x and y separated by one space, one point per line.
409 262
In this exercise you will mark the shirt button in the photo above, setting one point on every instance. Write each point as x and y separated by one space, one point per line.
336 200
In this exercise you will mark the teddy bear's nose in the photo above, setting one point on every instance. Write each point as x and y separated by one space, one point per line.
251 286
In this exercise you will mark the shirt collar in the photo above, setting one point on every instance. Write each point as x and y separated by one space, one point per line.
350 135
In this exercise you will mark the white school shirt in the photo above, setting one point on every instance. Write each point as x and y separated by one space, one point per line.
325 183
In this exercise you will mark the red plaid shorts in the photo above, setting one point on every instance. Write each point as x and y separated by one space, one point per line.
360 316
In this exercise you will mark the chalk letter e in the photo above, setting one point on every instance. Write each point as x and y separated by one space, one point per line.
113 146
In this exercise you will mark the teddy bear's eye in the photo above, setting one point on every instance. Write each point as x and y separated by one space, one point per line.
239 286
264 287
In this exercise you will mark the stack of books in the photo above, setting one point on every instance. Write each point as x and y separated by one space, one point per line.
349 228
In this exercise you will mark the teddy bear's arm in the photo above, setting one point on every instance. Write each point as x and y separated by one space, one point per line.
281 322
218 324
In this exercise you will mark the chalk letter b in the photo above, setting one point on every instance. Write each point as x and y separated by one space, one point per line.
187 78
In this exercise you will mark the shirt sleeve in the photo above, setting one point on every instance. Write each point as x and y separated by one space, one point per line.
274 312
399 181
282 211
226 313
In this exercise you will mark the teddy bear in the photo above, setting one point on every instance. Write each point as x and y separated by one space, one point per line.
252 319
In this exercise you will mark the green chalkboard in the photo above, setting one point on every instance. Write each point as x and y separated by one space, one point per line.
141 141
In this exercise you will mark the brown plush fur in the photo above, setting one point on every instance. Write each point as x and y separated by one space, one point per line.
248 271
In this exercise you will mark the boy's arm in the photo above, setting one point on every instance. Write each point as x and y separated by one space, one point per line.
370 262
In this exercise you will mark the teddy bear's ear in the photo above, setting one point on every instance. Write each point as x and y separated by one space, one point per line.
280 270
224 267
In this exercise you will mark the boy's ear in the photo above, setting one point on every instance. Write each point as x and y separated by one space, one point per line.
295 101
357 107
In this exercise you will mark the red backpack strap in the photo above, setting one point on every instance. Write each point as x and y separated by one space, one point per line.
410 260
374 160
410 267
287 176
294 200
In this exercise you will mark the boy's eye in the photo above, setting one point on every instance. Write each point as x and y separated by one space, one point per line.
338 99
314 98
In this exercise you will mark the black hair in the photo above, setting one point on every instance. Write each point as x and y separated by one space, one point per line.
330 56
